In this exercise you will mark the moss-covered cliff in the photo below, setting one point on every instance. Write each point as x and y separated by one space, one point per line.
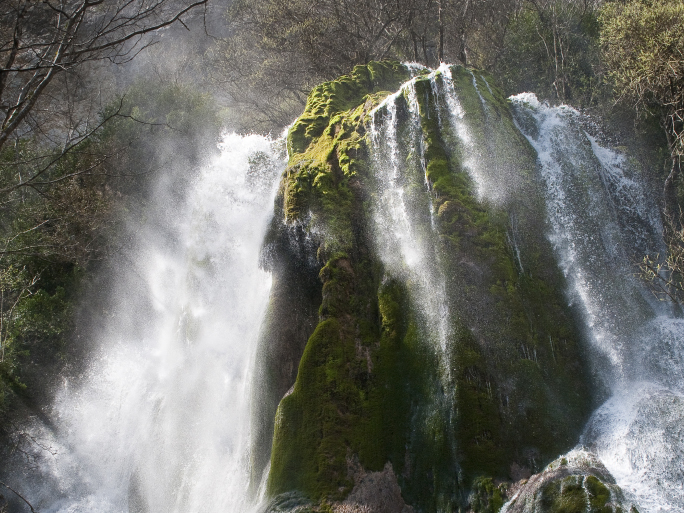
505 393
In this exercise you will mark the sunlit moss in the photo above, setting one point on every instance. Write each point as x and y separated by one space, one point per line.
513 386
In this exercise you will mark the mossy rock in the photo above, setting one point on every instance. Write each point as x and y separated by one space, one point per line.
338 96
510 388
575 483
486 497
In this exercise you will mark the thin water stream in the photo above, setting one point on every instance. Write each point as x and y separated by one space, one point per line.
403 213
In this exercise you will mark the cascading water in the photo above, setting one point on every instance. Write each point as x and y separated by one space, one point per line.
404 220
403 201
601 224
161 421
490 164
407 240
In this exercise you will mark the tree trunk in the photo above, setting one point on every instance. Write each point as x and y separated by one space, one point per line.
422 42
440 14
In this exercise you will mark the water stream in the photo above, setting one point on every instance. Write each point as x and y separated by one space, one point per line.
403 213
602 222
161 421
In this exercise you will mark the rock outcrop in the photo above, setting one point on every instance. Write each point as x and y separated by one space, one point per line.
576 482
432 375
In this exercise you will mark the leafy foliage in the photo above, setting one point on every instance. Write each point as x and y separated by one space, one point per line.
552 48
643 45
159 127
643 51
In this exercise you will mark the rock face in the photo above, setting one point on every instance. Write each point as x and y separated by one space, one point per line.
376 492
576 482
429 342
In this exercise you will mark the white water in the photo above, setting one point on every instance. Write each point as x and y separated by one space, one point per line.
469 154
161 421
403 214
496 181
406 244
601 223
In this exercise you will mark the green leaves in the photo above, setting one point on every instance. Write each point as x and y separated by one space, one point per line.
643 51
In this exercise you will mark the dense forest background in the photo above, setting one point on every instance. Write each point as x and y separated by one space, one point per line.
99 100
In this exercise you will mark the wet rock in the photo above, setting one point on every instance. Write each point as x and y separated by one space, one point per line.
575 483
374 492
290 502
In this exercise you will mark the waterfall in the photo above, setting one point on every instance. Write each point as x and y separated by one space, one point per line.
160 422
403 211
601 223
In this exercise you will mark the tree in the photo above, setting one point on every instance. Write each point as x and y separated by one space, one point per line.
279 50
51 107
64 145
40 41
53 238
551 47
643 51
643 45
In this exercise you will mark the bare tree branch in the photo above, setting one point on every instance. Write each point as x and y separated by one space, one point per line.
43 40
19 495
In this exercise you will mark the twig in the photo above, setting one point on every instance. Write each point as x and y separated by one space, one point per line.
18 495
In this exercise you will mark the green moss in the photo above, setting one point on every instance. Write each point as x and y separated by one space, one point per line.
308 446
575 494
485 496
347 399
599 495
512 387
506 375
329 155
564 496
341 95
383 431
